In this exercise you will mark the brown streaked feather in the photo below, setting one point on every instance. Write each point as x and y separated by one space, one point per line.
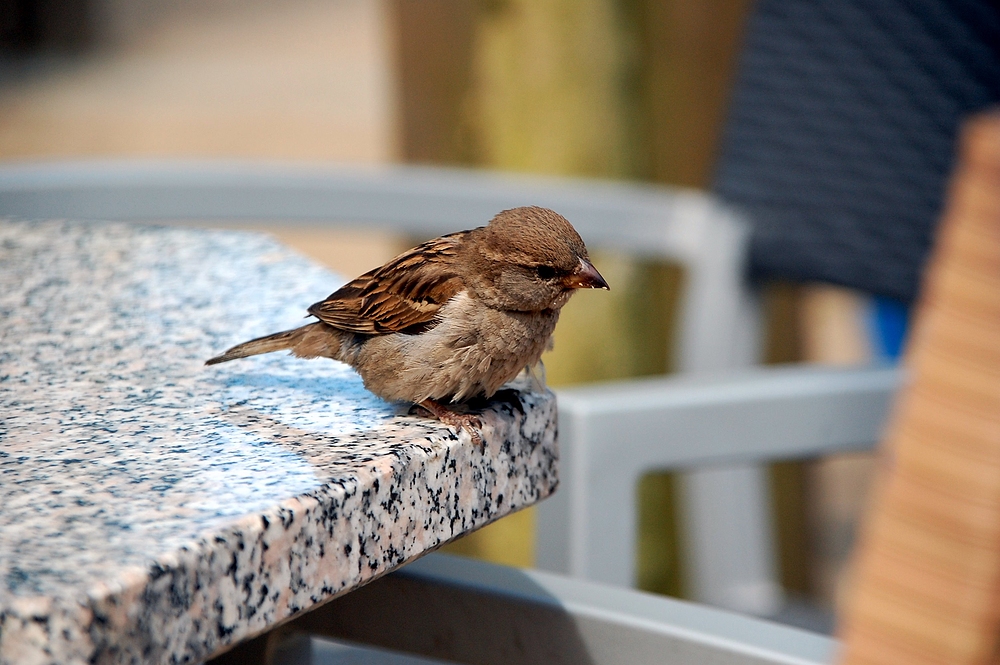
404 295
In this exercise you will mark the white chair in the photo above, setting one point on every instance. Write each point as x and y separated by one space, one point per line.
734 564
620 431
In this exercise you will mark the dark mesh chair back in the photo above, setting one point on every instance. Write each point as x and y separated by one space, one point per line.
842 130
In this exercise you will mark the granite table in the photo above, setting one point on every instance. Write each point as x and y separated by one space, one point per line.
156 510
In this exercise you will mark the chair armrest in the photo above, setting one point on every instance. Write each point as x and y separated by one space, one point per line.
610 434
760 414
468 611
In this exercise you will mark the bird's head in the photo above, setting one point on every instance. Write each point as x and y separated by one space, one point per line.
529 259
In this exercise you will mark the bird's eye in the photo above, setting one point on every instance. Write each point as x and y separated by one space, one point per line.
545 272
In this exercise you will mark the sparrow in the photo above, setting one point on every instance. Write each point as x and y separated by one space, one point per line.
452 319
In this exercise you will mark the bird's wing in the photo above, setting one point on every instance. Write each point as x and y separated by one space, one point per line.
404 295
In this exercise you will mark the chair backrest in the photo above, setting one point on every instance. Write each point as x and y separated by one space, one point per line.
842 131
837 147
719 323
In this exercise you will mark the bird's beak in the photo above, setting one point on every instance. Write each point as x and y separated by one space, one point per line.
585 277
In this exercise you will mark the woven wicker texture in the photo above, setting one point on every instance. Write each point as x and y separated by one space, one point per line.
842 127
927 577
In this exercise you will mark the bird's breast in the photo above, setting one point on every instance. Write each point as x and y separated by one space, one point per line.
473 350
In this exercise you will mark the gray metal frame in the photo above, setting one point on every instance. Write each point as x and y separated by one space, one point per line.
720 322
618 432
463 611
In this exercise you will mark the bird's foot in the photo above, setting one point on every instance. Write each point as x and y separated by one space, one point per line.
467 421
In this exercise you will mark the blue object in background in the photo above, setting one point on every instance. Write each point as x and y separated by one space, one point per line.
890 322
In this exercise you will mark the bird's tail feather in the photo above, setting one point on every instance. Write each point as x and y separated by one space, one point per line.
276 342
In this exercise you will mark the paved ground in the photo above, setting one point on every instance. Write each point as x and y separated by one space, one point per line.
301 79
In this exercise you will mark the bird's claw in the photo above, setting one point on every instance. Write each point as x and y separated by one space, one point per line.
470 423
459 421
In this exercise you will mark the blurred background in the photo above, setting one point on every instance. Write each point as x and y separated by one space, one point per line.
620 89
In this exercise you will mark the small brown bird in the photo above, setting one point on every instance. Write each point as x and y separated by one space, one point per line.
451 319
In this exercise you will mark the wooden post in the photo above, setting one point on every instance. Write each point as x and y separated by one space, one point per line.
927 578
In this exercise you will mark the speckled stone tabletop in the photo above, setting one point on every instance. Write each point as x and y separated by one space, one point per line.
156 510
